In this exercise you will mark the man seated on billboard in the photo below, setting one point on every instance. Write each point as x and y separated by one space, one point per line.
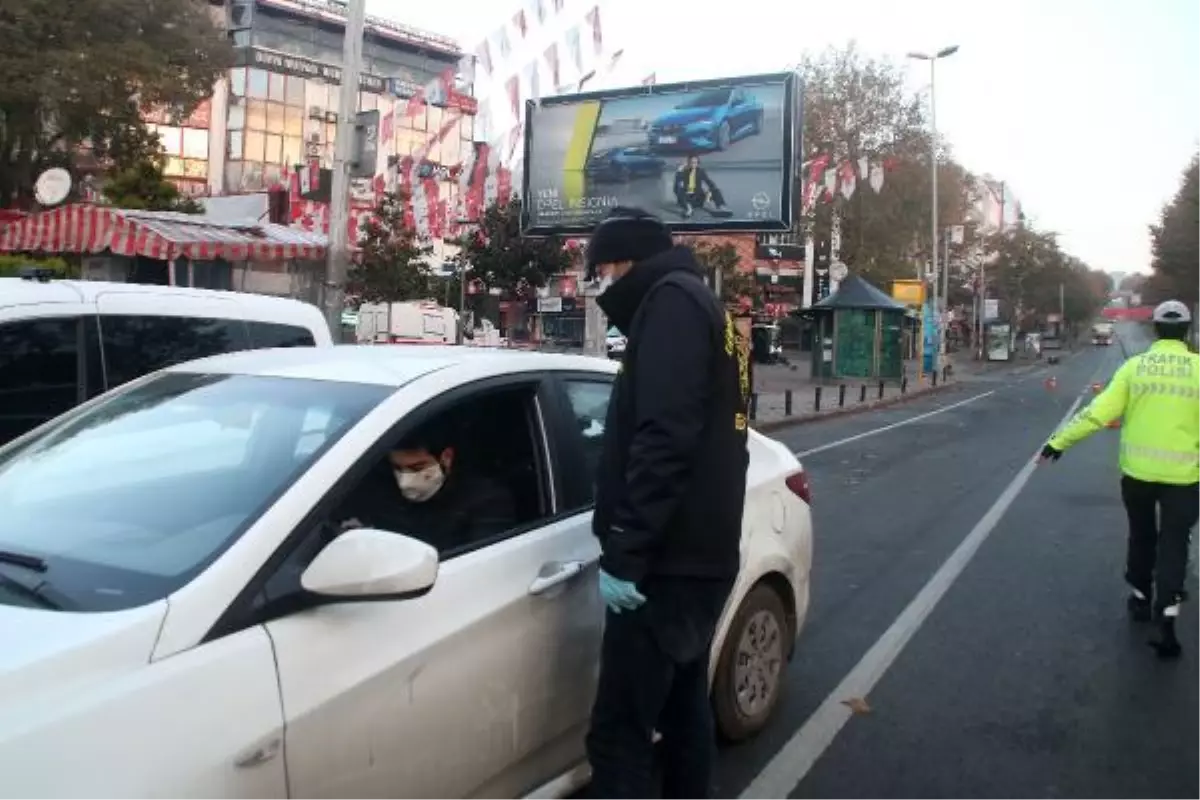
693 189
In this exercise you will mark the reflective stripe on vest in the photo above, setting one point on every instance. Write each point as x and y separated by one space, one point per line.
1158 454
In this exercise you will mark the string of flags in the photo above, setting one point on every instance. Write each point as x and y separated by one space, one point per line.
823 179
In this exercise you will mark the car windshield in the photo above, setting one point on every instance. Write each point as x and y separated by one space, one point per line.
709 99
124 502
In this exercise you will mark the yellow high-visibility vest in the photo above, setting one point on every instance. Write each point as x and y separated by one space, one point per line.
1157 397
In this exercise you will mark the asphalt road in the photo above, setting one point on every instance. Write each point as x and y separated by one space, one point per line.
1006 670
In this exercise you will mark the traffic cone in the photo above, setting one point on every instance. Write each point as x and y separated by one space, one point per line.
1116 423
1097 388
1051 383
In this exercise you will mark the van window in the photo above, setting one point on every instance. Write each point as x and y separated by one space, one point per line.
137 345
272 334
39 371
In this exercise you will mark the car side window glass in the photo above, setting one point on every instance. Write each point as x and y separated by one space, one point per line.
588 406
264 335
39 372
472 475
136 345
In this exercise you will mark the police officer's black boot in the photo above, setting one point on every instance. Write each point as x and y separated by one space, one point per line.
1167 645
1139 605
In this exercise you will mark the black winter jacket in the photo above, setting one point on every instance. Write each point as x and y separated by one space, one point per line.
672 479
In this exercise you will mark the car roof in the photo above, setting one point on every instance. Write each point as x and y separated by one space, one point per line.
20 291
391 365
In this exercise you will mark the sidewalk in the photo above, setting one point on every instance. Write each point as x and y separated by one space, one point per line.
813 399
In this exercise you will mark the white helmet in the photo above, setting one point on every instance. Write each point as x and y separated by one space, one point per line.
1172 311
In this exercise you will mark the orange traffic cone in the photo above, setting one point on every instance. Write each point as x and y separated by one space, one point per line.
1116 423
1051 383
1097 388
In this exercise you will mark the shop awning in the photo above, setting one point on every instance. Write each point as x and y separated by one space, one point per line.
165 235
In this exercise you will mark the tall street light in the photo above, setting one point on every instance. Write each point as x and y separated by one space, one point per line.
944 302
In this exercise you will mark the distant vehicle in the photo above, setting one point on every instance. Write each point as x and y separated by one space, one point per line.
620 164
614 343
712 120
1102 333
412 322
64 341
1051 342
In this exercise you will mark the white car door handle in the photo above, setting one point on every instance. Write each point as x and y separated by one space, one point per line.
560 573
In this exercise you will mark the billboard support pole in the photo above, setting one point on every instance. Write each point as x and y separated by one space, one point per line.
339 201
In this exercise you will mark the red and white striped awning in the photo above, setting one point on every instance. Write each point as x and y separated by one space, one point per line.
163 235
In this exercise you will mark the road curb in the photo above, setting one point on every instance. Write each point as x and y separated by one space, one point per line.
804 419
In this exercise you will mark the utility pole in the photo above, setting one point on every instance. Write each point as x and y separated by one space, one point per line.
339 202
940 303
983 278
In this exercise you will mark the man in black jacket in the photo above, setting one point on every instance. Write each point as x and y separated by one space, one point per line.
669 498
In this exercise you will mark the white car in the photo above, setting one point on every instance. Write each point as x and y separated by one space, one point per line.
614 343
188 609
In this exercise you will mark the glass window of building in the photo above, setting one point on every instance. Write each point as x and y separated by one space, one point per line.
237 82
257 84
276 89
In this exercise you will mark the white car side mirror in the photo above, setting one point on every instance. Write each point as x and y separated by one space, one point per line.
366 563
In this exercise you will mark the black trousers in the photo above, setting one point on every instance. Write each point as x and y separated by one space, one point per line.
1161 517
654 676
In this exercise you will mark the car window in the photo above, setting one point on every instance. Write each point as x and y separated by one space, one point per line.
272 334
588 401
128 500
492 482
39 372
136 345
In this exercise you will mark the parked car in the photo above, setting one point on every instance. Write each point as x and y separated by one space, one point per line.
614 343
64 341
712 119
189 606
622 164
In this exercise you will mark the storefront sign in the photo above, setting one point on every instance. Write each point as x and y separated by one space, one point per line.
274 61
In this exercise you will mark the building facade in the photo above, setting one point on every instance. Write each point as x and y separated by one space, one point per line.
277 108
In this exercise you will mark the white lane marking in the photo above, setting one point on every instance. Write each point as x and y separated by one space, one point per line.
789 766
893 426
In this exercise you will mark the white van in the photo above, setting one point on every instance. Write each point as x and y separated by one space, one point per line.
63 342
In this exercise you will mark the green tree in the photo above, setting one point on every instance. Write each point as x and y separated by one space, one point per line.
855 107
79 73
723 259
1032 277
1175 243
143 186
393 265
501 258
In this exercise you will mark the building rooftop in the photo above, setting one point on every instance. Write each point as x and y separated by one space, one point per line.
336 11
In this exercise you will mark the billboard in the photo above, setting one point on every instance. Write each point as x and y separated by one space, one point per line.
714 155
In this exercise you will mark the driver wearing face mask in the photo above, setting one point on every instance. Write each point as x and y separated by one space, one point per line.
428 495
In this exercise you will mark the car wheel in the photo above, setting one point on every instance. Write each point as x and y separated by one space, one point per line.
749 677
723 135
758 123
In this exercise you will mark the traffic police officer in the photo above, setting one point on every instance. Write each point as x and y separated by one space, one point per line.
1158 394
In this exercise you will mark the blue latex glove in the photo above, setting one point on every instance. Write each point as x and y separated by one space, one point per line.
619 595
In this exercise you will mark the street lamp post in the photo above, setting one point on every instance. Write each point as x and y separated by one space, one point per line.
943 302
338 254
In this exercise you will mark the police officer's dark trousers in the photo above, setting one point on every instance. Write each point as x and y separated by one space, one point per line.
1161 517
654 676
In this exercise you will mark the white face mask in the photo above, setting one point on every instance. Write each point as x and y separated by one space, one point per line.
420 486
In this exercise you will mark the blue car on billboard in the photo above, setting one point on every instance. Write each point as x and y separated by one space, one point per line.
711 120
621 164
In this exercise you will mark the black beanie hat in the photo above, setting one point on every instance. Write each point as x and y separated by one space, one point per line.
626 234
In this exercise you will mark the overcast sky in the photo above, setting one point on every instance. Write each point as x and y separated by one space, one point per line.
1090 109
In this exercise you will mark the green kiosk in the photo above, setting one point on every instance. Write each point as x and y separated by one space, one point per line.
859 333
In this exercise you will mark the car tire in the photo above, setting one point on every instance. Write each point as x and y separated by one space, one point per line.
750 669
758 124
723 136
